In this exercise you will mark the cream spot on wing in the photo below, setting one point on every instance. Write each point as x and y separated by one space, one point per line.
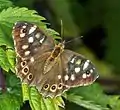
59 76
13 27
16 70
35 49
24 27
66 77
84 76
37 35
30 39
27 53
88 75
78 62
86 64
72 77
32 59
32 29
72 60
22 35
25 47
15 23
91 70
77 69
41 41
14 42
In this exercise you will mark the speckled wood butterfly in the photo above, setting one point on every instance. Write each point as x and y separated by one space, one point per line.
48 66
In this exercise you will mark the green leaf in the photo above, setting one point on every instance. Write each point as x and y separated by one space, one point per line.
38 102
25 91
84 103
53 33
9 102
11 58
7 59
12 15
12 98
114 102
60 102
4 63
5 4
90 97
5 36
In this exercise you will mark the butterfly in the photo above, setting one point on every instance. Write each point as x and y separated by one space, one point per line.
48 66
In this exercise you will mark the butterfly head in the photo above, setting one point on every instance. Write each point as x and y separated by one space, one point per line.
62 44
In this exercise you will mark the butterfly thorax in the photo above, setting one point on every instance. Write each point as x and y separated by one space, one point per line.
53 58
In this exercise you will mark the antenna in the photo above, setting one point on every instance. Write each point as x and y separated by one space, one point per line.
62 30
73 39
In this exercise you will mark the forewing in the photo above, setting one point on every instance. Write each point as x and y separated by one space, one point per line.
31 44
30 40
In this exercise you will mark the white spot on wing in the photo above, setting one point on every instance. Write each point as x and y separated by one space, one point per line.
15 23
72 60
30 39
22 35
91 70
86 64
77 69
37 35
32 59
41 41
84 76
25 47
32 29
78 62
24 27
59 76
72 77
66 77
27 53
14 42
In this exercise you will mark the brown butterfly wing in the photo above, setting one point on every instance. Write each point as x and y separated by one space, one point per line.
30 43
70 70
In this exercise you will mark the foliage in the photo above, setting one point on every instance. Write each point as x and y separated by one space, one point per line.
91 97
12 98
